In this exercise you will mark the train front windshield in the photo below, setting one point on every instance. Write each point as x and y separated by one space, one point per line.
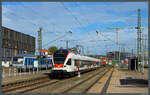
18 59
60 56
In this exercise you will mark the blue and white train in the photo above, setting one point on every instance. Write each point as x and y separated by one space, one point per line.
29 61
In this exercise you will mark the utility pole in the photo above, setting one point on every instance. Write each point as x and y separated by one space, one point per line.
81 48
40 40
66 44
119 56
143 58
139 40
39 46
117 30
87 50
145 52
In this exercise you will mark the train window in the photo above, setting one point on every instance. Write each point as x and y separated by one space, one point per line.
26 61
59 60
15 59
61 53
69 62
29 61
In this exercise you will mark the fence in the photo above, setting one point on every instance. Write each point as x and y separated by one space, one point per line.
10 72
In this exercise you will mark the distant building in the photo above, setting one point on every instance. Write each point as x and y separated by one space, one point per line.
114 55
14 43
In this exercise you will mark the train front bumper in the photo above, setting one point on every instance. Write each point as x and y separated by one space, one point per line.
58 72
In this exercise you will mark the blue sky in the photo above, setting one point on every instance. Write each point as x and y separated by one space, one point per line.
82 18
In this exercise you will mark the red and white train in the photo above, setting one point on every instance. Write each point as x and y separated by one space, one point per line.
66 62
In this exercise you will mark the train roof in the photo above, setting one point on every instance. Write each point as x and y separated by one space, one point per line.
25 55
28 55
66 50
79 55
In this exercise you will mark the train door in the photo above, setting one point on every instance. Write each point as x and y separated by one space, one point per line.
25 63
72 64
29 62
32 62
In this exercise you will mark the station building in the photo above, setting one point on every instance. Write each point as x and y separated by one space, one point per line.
14 42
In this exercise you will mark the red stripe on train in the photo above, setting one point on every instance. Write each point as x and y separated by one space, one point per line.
58 65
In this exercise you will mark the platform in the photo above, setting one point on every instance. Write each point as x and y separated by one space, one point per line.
127 81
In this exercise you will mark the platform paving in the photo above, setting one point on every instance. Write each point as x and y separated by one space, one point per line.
127 81
98 86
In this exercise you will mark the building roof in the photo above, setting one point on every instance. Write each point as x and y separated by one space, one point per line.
45 50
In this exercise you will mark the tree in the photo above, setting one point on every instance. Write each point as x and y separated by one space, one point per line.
92 56
52 49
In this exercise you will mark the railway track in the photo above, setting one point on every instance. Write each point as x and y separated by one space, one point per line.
69 85
27 85
59 86
104 90
85 84
82 84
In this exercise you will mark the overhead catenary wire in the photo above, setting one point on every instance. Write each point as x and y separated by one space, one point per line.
42 16
21 17
60 37
76 19
110 39
87 20
71 13
102 34
124 28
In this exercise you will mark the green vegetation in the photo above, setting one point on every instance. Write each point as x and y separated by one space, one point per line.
92 56
52 49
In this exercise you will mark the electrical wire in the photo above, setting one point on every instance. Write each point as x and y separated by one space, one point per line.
54 40
21 17
41 16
